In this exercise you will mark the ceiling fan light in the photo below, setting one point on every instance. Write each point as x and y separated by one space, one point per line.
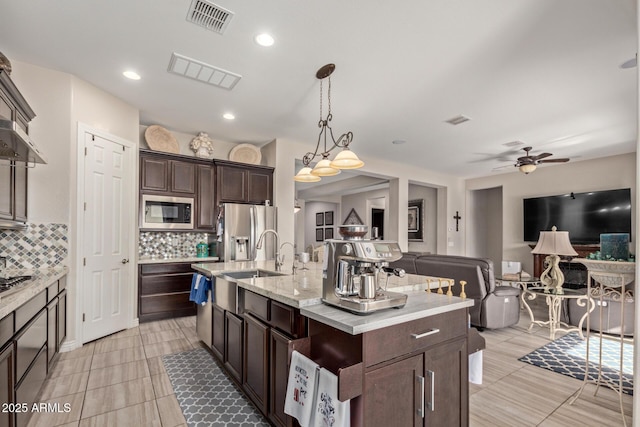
528 168
325 168
305 175
347 159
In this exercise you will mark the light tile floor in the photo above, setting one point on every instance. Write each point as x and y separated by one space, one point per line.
120 381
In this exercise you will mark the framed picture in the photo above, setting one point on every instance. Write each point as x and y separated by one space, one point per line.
319 235
328 218
319 219
352 218
415 223
328 233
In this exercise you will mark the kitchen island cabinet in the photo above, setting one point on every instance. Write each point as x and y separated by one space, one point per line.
382 360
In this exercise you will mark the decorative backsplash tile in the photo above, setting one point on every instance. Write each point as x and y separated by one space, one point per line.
158 244
38 246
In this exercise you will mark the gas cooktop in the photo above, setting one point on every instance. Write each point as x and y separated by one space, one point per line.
10 284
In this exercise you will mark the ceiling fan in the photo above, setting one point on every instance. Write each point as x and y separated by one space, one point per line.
529 163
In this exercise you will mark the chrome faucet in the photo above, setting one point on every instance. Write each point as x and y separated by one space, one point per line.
293 253
259 246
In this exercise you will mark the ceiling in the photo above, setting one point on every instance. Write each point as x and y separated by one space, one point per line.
543 72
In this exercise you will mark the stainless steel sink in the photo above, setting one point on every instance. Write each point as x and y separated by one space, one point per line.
248 274
226 286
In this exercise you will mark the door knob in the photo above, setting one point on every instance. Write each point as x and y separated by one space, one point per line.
125 260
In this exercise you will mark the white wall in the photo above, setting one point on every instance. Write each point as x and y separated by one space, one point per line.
61 101
577 176
309 219
430 235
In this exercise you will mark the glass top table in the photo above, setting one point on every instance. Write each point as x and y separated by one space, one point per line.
554 302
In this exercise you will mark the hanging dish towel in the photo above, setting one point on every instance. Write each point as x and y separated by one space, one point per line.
300 388
328 410
200 285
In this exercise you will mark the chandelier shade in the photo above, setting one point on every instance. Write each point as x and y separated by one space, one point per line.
305 175
347 159
528 168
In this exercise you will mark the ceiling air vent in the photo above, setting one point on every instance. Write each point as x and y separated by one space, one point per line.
457 120
205 73
209 15
513 144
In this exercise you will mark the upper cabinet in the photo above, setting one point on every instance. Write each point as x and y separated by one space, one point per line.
207 182
163 175
242 183
13 191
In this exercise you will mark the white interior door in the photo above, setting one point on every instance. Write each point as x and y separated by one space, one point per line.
107 273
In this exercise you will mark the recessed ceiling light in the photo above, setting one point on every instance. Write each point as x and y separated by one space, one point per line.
131 75
398 141
264 39
228 116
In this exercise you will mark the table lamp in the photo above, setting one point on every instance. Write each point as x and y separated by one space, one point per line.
553 244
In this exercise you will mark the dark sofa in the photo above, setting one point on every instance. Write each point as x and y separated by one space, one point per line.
495 306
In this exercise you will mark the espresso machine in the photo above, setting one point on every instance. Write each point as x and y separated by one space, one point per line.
350 276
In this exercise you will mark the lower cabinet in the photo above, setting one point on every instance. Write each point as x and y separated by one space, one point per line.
163 291
399 386
278 375
256 362
218 330
233 345
28 389
7 380
29 350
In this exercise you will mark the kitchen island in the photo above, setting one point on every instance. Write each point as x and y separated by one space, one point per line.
405 366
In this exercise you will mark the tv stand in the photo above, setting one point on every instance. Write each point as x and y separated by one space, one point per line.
538 259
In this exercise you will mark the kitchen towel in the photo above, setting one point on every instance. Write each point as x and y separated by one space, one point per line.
328 410
200 285
300 388
475 367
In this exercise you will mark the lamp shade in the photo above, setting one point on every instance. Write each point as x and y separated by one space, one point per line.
554 243
527 169
324 168
305 175
347 159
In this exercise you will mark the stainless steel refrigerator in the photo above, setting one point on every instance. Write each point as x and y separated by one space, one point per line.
241 229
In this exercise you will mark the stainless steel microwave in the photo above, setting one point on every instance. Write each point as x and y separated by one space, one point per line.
173 213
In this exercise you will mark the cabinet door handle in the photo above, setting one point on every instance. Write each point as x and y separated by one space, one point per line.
425 334
421 408
432 400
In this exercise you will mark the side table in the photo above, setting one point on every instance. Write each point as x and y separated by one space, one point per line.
522 283
554 303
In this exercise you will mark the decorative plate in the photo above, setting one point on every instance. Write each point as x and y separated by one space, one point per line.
160 139
245 153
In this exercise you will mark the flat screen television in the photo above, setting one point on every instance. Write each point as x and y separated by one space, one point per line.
584 215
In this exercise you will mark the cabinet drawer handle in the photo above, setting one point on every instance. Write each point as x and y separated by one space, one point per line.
425 334
421 409
432 400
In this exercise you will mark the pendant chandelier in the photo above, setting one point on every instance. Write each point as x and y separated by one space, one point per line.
345 159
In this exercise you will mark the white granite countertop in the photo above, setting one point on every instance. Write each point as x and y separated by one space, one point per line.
41 278
304 290
158 260
419 304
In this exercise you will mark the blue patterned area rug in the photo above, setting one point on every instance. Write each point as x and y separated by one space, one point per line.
206 395
566 356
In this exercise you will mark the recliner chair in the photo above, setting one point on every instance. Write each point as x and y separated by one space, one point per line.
495 306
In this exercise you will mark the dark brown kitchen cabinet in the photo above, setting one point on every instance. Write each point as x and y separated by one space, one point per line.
166 175
29 387
397 386
163 291
242 183
278 377
218 330
234 345
255 380
62 317
13 190
52 329
7 382
205 200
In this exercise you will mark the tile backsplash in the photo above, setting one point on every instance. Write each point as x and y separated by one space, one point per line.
158 244
38 246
